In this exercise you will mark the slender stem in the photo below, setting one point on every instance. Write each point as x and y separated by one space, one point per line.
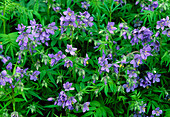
4 22
13 99
110 14
48 9
31 57
72 37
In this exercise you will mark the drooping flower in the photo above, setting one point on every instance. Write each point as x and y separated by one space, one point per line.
4 60
86 106
135 39
157 112
86 60
142 108
132 73
67 86
22 72
110 27
70 49
68 63
166 32
137 23
34 75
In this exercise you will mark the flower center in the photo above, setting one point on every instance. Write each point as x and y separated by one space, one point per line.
69 13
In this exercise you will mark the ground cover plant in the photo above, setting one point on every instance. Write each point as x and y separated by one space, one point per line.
84 58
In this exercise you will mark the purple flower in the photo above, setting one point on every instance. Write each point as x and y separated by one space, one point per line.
4 60
70 49
84 20
132 73
115 66
55 58
56 9
135 39
69 15
9 66
156 45
145 52
50 99
142 109
67 86
20 28
4 79
145 83
127 87
157 112
161 24
166 32
34 75
110 27
156 78
85 5
21 71
68 63
106 66
157 34
51 28
136 61
145 35
86 107
137 23
86 60
167 21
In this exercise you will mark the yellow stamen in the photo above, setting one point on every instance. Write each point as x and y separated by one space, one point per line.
87 62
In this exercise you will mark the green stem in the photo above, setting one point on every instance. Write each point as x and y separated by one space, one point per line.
13 99
72 37
110 14
48 9
4 22
31 57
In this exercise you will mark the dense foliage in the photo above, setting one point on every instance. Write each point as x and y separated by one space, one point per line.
73 58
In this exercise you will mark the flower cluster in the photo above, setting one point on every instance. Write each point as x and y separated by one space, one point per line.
55 58
34 35
84 20
147 81
163 23
110 27
68 20
4 78
124 31
66 101
151 7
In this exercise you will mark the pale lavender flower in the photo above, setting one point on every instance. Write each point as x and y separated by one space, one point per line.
9 66
34 75
142 109
156 78
68 63
166 32
110 27
67 86
157 112
161 24
86 60
70 49
145 52
136 61
85 5
56 9
86 107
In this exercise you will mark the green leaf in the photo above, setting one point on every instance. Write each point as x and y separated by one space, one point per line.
19 100
88 114
52 79
42 74
95 104
34 94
